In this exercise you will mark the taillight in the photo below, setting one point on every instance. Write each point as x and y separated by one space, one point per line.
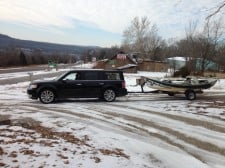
123 84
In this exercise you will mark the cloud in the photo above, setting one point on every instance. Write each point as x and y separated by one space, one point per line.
108 15
40 13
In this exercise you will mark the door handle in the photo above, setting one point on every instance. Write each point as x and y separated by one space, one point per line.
79 84
101 83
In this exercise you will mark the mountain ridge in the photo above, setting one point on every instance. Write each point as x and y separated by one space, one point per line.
10 42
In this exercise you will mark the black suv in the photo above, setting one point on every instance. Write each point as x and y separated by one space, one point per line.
103 84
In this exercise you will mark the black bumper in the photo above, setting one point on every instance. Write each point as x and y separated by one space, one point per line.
122 92
32 94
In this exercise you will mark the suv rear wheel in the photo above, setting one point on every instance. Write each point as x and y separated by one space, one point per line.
109 95
47 96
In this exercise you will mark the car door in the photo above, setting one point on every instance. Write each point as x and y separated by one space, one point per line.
92 84
71 85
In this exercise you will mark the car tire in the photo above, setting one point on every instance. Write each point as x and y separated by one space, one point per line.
190 95
109 95
47 96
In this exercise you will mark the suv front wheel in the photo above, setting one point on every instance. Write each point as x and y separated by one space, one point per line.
47 96
109 95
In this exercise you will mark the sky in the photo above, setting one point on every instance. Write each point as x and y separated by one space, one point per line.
96 22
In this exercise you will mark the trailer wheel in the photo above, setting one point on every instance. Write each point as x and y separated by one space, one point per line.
190 95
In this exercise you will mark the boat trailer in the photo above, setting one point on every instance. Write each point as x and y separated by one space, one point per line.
188 86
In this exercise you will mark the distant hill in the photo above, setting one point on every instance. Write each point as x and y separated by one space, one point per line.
9 42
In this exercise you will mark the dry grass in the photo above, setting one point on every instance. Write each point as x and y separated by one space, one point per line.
49 138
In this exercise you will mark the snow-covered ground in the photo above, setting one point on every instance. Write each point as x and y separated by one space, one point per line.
135 131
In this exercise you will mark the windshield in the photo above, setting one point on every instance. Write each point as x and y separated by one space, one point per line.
60 76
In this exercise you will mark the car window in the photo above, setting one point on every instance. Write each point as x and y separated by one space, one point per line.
91 76
73 76
112 76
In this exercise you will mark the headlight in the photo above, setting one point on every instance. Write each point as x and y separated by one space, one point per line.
33 86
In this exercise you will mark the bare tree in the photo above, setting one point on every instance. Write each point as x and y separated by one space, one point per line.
141 37
220 58
153 44
201 47
216 9
208 42
134 35
189 46
22 58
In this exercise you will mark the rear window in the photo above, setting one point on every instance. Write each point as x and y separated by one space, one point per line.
112 76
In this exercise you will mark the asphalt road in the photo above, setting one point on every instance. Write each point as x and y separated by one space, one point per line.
29 69
23 69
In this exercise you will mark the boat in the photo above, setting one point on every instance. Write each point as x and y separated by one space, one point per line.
189 85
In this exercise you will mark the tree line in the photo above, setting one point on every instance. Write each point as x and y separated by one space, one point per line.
14 56
17 57
207 44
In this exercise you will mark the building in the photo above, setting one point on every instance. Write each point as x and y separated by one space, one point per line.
152 66
130 65
178 62
119 61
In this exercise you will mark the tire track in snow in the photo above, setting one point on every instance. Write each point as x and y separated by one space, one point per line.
79 114
186 138
129 126
187 120
109 114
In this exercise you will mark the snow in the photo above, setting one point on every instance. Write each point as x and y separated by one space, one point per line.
46 71
136 131
177 58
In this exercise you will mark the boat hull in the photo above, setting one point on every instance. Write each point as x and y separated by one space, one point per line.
180 85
